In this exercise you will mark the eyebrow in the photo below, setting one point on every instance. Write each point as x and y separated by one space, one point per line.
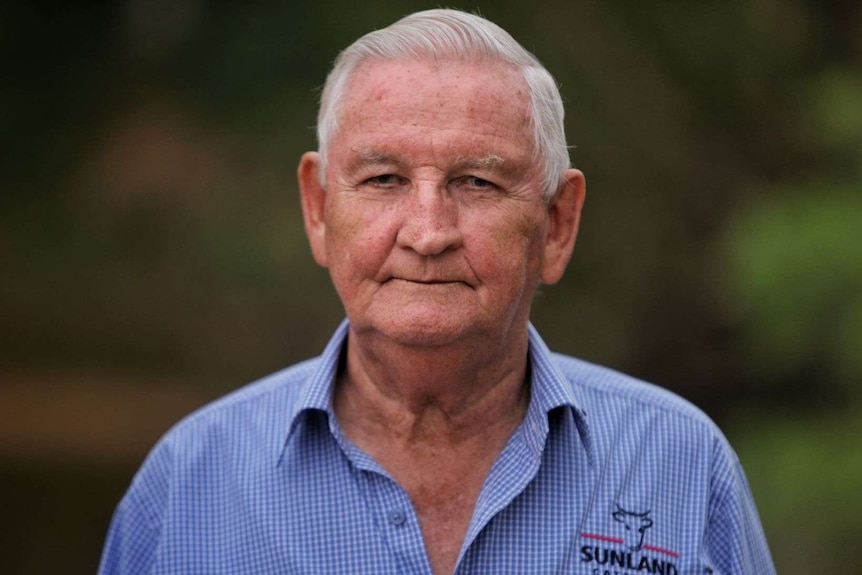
371 157
486 162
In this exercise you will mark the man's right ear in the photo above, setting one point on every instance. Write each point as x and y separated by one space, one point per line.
313 197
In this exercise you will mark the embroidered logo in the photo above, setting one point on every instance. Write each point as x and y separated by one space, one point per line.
628 554
636 525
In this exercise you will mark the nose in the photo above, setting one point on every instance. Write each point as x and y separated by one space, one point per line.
429 220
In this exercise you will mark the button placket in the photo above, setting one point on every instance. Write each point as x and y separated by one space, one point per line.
401 528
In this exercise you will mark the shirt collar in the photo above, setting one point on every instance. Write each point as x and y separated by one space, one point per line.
316 391
550 390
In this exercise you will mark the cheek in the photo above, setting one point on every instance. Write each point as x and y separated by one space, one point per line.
522 233
509 246
533 225
358 237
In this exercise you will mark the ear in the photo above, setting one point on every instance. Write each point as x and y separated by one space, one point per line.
564 212
313 196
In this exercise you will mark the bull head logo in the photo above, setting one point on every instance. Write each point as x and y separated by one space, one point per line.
636 525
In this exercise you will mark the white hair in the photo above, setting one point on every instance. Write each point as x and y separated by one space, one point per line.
445 34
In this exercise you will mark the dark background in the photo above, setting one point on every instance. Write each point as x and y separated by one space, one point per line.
152 255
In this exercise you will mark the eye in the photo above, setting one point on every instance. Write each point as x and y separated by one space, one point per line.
475 183
385 181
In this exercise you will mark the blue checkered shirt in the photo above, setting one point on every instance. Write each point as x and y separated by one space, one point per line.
606 475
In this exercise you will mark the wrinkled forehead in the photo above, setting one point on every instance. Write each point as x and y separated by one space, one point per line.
488 96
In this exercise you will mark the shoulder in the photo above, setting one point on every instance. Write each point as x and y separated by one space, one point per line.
273 392
236 434
626 415
249 423
612 391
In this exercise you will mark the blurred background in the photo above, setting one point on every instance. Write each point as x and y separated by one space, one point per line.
152 255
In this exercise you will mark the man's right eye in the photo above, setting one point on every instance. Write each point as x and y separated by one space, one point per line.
384 180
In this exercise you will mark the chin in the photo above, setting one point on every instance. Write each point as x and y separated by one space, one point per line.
431 330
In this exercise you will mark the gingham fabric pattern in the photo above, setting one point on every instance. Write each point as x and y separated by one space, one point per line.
606 475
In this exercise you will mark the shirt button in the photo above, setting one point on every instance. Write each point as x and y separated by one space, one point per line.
397 517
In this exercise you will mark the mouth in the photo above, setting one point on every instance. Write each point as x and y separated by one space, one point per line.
428 282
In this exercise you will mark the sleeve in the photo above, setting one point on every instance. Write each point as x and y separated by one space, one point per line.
133 537
735 541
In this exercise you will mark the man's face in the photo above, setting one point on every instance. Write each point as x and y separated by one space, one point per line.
432 222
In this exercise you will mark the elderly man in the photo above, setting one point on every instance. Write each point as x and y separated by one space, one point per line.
436 433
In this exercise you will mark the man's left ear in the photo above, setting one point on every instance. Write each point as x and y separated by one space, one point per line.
564 212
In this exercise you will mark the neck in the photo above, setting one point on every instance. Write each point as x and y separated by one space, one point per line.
430 394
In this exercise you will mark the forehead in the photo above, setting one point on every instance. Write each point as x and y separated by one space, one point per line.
477 105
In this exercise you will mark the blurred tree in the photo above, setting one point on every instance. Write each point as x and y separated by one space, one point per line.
797 284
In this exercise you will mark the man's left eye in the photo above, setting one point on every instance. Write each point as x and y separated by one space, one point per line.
475 182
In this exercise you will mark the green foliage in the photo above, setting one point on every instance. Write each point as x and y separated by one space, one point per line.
796 276
831 108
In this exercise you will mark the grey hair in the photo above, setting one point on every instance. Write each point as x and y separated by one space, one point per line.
445 34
